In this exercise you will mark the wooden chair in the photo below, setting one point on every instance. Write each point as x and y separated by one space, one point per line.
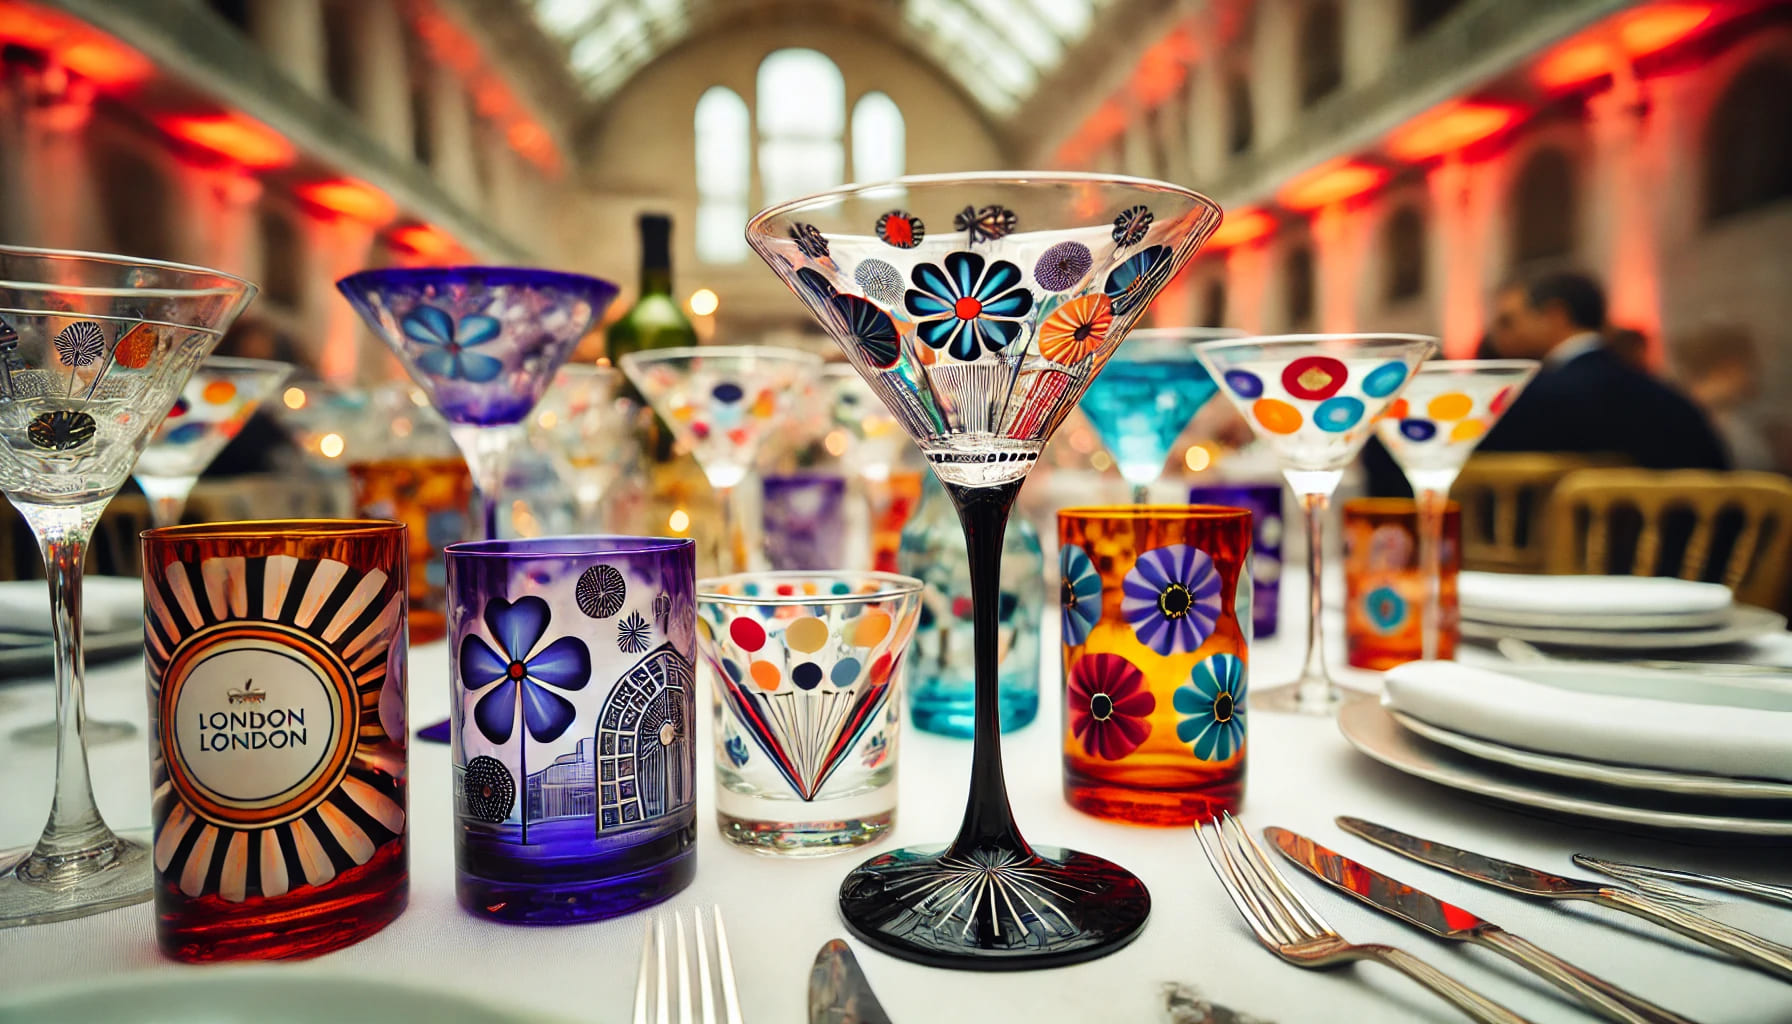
1504 498
1731 528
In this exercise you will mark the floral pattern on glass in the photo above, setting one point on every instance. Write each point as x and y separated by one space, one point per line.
516 674
968 305
1081 593
445 343
1109 706
1172 598
1211 708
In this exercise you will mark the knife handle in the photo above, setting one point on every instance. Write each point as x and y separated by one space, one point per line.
1600 995
1766 954
1477 1006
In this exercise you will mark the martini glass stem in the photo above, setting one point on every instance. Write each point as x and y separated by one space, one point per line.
1315 683
167 497
1141 494
487 450
729 553
988 819
1431 504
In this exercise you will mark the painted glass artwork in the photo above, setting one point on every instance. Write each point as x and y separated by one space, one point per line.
1384 585
433 498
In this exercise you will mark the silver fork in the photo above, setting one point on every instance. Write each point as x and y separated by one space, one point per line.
696 985
1653 881
1291 929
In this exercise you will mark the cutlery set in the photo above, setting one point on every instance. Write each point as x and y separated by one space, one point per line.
1294 931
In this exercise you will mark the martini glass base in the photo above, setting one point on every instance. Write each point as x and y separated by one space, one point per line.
114 875
1302 697
96 731
994 908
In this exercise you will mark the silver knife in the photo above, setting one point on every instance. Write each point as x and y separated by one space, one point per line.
1447 921
1752 949
838 991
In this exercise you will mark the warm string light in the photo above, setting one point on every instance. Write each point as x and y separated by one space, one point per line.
331 445
705 302
294 398
1197 458
679 521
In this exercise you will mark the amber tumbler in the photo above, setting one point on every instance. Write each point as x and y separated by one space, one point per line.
433 498
1155 625
276 661
1384 586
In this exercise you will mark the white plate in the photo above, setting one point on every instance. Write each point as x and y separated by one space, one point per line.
1743 622
1625 776
1597 620
1372 730
246 995
1524 594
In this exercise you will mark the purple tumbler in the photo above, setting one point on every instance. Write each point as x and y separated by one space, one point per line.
1265 503
573 710
805 521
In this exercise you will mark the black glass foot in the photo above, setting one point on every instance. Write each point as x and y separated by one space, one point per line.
994 909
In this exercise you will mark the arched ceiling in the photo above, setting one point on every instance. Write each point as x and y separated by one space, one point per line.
998 51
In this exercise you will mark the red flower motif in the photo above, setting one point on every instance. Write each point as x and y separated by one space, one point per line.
1109 706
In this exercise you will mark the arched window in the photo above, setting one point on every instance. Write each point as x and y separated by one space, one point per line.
134 196
281 273
1321 62
802 114
1298 275
724 158
1405 254
1422 14
1748 142
1240 120
1544 208
879 139
1213 304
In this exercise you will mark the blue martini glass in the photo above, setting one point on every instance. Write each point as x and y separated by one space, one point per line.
483 343
1146 394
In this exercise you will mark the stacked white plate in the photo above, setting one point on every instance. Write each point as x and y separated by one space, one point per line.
1663 749
1615 613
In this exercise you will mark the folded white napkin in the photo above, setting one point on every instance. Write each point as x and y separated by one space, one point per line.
1713 739
1583 596
108 604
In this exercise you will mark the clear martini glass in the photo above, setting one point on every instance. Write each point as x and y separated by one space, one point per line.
1144 398
1312 398
483 343
218 399
1431 430
877 441
94 350
584 425
979 308
722 402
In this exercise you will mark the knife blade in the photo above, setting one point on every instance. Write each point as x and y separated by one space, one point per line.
839 993
1448 921
1752 949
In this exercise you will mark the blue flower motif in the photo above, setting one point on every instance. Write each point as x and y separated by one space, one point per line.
1081 593
963 309
1135 282
445 343
1211 705
737 750
1386 608
1172 598
519 674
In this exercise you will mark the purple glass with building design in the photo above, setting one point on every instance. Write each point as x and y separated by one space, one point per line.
573 708
1265 504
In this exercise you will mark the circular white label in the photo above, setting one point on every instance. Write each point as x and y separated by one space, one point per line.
255 721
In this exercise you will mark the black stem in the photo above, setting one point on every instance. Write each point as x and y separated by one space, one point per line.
988 820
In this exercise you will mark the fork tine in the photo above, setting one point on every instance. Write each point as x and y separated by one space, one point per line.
642 976
1305 917
1256 875
663 1015
684 971
725 967
706 1000
1229 882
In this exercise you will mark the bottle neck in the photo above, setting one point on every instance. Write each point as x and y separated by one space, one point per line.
656 280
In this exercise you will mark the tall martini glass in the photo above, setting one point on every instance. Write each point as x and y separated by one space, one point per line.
94 350
1145 396
218 399
1312 398
483 343
979 308
722 402
584 424
1431 430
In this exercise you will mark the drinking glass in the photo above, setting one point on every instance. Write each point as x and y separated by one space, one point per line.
94 350
219 398
979 307
431 497
1384 583
1145 396
1311 398
803 520
1265 504
808 712
586 426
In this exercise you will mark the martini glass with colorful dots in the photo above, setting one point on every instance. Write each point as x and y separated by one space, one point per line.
979 308
1146 394
1312 398
1431 430
722 402
94 350
483 343
218 399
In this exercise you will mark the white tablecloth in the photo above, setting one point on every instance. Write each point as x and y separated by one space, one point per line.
780 911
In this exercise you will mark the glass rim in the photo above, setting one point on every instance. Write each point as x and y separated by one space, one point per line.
246 363
233 285
1290 340
1153 513
755 224
1373 504
568 546
894 585
769 352
385 276
263 529
1476 365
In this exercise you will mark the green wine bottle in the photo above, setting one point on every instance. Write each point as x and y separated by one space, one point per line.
655 320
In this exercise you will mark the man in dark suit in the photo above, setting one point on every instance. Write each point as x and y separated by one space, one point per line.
1587 399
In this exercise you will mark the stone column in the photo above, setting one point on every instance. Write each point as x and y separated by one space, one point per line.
290 33
1136 145
451 137
1460 228
1622 189
1207 119
337 246
1272 71
57 205
1372 32
383 75
1338 236
1247 281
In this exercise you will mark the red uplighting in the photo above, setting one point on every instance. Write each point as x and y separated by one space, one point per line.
1449 128
235 137
74 45
1161 70
1241 226
351 199
1633 34
426 241
1648 29
1330 183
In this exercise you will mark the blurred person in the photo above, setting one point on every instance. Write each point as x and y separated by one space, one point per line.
1587 399
1629 345
1720 368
